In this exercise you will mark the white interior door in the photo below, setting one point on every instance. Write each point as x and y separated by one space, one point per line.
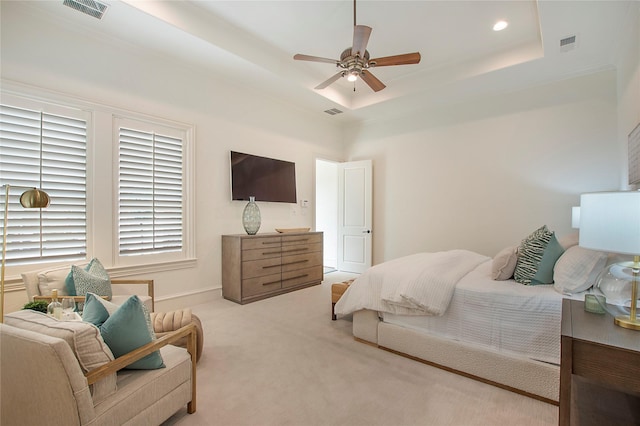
354 216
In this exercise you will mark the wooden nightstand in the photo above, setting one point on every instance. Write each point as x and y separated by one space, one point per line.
599 369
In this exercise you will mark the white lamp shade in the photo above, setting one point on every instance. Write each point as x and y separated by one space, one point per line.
575 217
610 221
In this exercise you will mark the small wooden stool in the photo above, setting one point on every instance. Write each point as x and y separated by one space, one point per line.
337 290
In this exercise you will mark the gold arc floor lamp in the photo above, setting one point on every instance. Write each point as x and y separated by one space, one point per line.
610 222
32 198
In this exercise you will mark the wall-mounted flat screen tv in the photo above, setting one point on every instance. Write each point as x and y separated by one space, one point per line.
266 179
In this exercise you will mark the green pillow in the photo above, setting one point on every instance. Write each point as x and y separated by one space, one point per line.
126 329
530 255
94 311
553 251
94 279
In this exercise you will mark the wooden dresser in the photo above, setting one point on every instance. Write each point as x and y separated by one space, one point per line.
258 266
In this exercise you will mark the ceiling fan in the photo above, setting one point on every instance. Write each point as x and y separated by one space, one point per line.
355 61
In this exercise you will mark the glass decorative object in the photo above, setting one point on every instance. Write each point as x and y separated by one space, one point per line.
251 217
615 282
55 308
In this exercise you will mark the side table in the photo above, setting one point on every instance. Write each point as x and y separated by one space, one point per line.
599 369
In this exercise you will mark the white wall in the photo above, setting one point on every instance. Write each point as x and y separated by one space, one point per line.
55 57
327 209
484 174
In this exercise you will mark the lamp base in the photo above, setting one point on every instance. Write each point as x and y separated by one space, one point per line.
627 322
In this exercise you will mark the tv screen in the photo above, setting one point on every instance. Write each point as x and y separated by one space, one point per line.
266 179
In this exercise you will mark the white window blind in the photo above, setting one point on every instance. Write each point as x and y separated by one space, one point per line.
48 151
150 192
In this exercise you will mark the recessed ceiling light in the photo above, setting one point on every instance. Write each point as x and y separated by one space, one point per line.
500 25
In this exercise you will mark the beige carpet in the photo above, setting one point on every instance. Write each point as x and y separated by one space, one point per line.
282 361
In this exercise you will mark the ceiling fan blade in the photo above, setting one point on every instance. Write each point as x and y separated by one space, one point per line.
329 81
372 81
300 57
406 59
361 35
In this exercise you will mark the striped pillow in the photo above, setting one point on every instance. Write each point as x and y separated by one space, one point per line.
530 255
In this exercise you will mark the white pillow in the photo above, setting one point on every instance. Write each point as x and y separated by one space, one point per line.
53 279
569 240
504 264
577 269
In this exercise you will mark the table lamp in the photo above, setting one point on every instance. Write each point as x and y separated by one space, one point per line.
610 222
31 199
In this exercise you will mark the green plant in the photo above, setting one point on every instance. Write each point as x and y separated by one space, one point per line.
38 305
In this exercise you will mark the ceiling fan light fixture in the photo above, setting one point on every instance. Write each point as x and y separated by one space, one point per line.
500 25
353 76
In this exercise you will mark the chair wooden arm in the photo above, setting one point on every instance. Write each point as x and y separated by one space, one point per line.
150 288
119 363
78 299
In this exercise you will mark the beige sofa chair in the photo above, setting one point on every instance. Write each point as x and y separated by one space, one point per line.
43 381
38 285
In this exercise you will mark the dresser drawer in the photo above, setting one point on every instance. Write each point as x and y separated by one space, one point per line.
303 239
299 249
259 268
261 253
257 243
261 285
300 261
301 276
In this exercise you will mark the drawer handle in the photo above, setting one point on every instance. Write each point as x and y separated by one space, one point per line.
272 282
297 261
271 266
294 250
296 277
264 253
298 241
270 242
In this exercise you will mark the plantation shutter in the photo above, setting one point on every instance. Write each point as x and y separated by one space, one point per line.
48 151
150 217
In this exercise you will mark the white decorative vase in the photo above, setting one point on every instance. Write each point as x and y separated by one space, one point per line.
251 217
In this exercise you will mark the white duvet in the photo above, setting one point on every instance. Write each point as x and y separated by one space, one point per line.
419 284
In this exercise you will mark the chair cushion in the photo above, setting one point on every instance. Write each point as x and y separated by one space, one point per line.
83 338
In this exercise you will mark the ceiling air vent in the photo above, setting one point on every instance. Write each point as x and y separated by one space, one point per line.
568 43
333 111
89 7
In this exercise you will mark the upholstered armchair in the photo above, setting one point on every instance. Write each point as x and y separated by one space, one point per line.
61 373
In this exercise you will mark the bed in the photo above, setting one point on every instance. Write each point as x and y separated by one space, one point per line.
449 310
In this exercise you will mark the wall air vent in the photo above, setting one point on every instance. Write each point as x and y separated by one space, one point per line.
333 111
89 7
568 43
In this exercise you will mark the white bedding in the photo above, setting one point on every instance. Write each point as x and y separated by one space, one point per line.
502 315
419 284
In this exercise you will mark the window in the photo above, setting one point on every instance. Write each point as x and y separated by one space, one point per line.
150 188
45 146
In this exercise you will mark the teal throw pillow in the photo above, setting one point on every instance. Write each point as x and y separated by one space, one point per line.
551 254
126 329
530 255
94 311
94 279
68 282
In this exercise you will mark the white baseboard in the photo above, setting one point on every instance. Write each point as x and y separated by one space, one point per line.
185 300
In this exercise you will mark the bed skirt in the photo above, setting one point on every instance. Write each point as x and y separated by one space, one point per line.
509 371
